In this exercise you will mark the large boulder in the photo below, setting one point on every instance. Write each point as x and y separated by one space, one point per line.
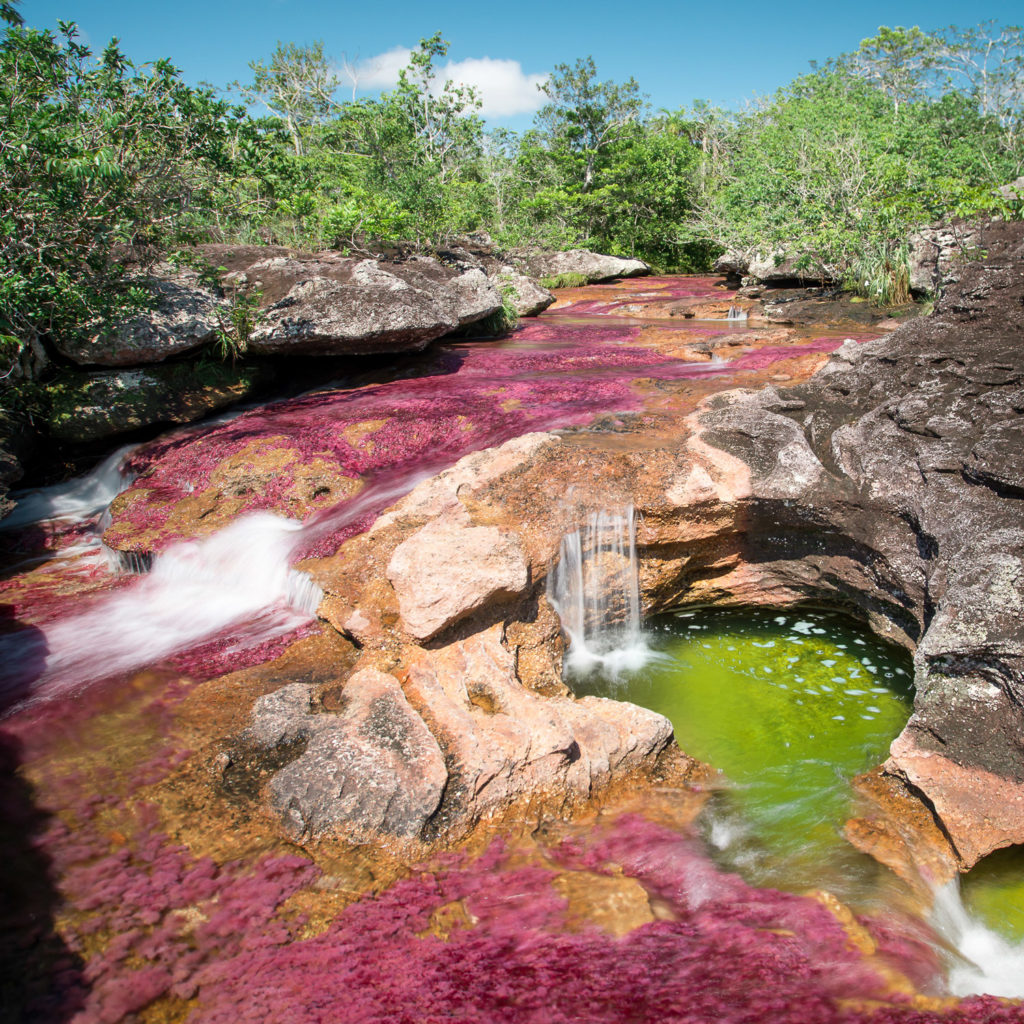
186 314
371 771
329 304
449 568
89 407
527 296
593 266
775 267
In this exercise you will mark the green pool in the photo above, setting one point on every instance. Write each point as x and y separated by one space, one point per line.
789 706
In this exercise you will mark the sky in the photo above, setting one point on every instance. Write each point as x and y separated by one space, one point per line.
678 52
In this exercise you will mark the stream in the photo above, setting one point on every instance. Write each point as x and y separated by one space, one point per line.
138 896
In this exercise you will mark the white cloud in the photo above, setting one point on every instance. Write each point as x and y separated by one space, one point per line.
502 85
381 72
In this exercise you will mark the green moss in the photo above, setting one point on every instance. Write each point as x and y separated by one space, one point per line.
566 280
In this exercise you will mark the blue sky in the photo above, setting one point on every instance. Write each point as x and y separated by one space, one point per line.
678 52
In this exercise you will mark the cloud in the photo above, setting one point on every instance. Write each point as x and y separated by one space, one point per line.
381 72
502 85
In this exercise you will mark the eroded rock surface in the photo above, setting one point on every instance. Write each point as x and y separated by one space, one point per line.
891 481
329 304
185 315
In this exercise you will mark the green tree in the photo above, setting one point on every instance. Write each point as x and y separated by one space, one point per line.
298 85
100 162
583 118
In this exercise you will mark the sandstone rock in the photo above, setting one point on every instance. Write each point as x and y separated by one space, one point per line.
503 742
528 297
448 569
329 304
186 315
592 265
372 771
95 406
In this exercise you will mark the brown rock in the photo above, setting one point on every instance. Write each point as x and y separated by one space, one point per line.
449 568
371 772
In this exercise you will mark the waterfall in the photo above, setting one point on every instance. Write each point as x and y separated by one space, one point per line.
238 580
737 313
80 498
596 591
989 964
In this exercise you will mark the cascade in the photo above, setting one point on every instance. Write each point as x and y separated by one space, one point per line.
80 498
596 591
737 313
988 963
239 578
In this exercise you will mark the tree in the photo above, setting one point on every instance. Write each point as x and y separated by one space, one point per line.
99 160
297 85
584 117
897 60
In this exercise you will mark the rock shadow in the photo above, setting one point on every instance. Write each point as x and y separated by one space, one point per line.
42 980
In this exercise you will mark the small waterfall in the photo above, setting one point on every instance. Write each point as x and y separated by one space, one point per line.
737 313
990 965
240 577
85 496
596 591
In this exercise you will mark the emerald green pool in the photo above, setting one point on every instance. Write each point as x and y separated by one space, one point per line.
789 706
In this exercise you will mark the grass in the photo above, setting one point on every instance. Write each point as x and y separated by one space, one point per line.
567 280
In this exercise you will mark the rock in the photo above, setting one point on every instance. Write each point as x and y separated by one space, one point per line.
504 743
448 569
772 267
527 296
939 253
591 265
329 304
186 315
91 407
17 440
890 482
372 771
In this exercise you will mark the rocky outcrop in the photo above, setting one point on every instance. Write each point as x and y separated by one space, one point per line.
938 255
770 268
891 481
92 407
329 304
527 296
186 314
593 266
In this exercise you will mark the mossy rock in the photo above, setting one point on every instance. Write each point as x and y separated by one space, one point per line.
89 407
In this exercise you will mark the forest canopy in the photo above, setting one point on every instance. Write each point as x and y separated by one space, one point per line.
105 164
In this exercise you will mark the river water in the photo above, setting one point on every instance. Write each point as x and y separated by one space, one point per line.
131 899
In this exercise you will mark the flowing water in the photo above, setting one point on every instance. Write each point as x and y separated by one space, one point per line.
135 895
789 707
